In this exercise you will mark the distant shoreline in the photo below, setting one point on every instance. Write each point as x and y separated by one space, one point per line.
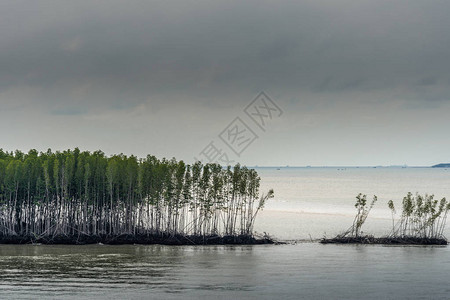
342 167
443 165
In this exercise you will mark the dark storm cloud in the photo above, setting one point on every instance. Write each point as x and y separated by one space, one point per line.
359 81
114 54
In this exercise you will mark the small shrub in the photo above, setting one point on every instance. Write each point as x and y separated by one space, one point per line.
362 211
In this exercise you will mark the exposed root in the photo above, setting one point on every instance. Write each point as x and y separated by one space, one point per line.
138 239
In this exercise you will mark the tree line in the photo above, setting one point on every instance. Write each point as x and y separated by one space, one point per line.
74 192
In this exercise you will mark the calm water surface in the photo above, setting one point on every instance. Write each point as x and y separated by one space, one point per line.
305 270
309 203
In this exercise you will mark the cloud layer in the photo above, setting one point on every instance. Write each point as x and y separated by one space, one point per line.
198 63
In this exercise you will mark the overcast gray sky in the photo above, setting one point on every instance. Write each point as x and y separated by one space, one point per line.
359 82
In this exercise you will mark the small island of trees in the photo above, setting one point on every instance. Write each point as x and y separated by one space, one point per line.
422 222
79 197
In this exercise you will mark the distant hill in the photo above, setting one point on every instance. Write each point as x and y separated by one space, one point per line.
446 165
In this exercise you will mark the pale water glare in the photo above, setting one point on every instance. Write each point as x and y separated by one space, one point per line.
312 202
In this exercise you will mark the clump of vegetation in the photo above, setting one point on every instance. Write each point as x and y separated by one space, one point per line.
422 222
422 217
362 211
74 193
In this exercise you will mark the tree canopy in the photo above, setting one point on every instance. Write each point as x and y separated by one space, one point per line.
74 192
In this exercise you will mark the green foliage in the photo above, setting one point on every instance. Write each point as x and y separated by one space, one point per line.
74 192
362 211
422 216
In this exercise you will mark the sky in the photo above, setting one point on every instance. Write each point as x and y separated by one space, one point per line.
345 83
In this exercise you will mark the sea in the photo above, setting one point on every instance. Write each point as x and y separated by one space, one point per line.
309 203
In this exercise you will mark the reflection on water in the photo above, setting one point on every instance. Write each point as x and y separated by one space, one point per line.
304 270
65 269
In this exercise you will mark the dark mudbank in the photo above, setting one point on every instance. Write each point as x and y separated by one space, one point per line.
136 239
385 240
